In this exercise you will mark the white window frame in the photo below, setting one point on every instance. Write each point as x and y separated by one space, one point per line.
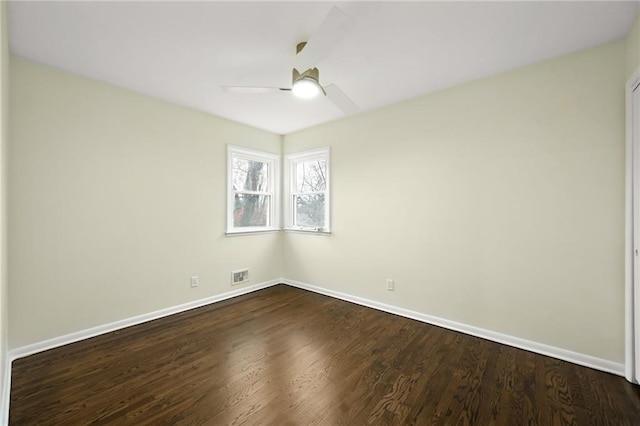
290 184
274 185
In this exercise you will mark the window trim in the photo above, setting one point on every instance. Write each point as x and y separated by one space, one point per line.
273 160
289 175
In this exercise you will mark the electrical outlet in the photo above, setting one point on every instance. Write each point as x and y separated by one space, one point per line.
390 284
195 281
240 276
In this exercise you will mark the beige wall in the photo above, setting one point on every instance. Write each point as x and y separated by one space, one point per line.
116 200
633 49
4 117
498 203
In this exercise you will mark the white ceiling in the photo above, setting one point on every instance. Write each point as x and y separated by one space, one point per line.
183 52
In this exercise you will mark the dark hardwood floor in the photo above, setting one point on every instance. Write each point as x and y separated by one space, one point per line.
284 356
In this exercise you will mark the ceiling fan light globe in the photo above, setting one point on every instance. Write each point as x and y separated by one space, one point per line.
305 88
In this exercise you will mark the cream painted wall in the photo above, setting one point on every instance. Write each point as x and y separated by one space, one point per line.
498 203
116 199
633 49
4 116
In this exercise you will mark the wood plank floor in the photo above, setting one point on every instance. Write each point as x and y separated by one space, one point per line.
284 356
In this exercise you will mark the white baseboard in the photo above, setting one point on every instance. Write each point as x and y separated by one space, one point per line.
552 351
6 389
528 345
128 322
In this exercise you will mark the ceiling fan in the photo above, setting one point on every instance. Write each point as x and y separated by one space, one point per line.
306 84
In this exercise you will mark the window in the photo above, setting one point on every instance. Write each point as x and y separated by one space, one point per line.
252 184
307 201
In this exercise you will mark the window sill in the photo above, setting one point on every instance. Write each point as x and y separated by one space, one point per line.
273 231
252 232
307 231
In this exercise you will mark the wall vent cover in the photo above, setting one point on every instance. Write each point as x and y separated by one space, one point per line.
240 277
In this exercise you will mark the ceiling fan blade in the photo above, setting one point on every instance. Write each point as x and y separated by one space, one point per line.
251 89
334 27
341 99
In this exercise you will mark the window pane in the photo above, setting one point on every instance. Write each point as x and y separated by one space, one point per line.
251 210
249 175
311 176
309 211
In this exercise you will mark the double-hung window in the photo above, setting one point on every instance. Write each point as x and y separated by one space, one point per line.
252 188
307 200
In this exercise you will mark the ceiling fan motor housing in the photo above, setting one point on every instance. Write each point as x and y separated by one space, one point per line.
310 74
